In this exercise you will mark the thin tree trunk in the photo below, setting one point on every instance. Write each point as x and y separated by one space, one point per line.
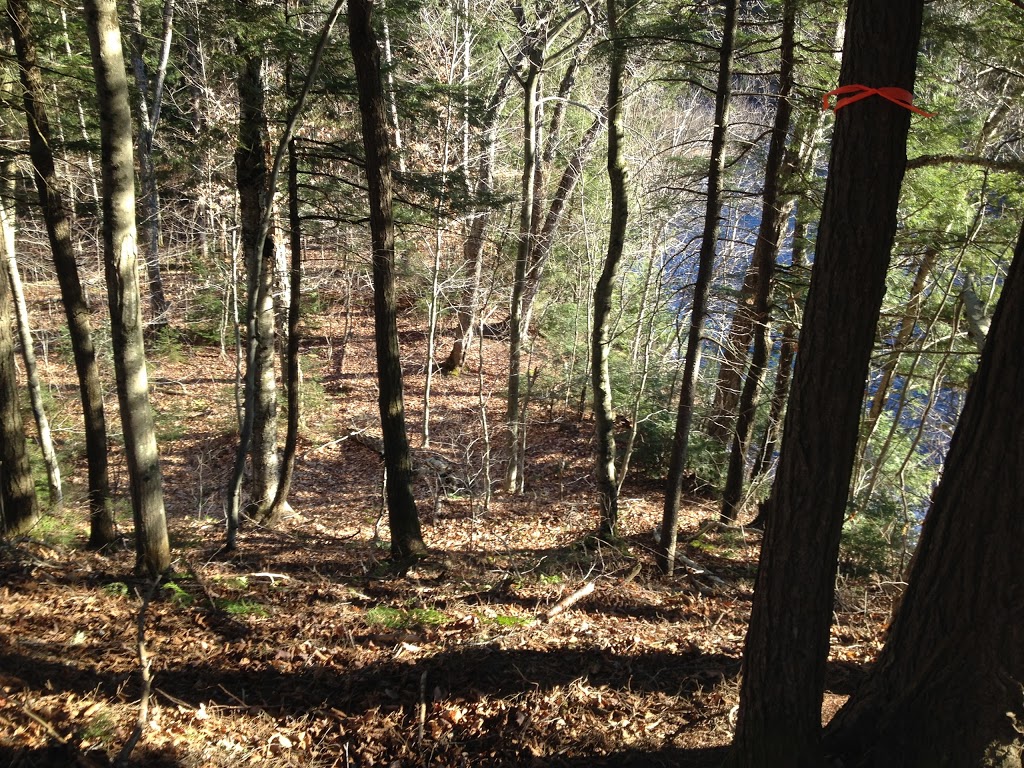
147 114
787 641
604 415
121 259
19 509
946 688
544 240
57 218
249 170
28 354
516 330
252 162
406 539
706 264
473 248
280 507
773 213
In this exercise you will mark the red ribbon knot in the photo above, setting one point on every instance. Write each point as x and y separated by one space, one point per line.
898 96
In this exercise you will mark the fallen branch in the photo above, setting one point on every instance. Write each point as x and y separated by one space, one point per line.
145 666
696 569
567 601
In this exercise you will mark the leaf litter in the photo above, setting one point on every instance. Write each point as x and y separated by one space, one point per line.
308 647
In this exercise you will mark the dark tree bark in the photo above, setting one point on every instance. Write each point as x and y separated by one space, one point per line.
604 415
19 509
946 688
58 229
403 519
706 264
766 249
121 260
787 641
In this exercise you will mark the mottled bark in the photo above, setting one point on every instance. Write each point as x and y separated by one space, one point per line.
57 219
252 163
19 509
604 414
120 257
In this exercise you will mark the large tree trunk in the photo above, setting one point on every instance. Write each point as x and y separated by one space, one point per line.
946 688
58 229
773 209
19 509
121 260
787 641
403 519
706 264
604 415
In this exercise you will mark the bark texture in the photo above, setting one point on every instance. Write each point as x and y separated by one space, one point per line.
947 687
19 509
604 414
773 209
403 519
251 175
706 264
58 229
787 641
120 255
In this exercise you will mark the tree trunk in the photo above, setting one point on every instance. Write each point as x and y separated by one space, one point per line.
28 355
706 265
8 186
147 112
787 641
251 170
516 330
406 539
473 248
58 229
280 506
19 509
773 209
121 260
604 415
946 688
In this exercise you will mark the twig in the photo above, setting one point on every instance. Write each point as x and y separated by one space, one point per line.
568 601
422 709
145 667
699 570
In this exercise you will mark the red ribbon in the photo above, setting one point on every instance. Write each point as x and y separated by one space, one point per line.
898 96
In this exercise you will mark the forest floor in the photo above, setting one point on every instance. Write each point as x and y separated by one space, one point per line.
307 647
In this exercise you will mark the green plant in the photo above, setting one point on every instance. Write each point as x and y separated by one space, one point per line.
177 595
402 618
243 607
116 589
100 728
